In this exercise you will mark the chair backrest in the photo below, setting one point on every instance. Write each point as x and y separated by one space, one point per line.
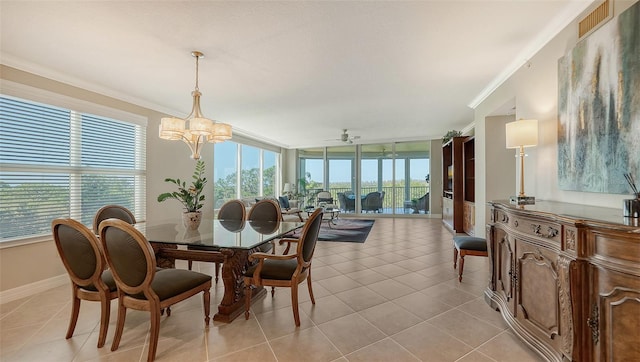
232 210
79 250
424 202
233 225
324 196
130 257
309 237
115 212
372 201
265 210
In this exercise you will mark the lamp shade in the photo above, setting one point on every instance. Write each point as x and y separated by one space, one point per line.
523 133
171 128
287 187
200 126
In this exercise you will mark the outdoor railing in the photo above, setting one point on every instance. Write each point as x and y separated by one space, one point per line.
414 192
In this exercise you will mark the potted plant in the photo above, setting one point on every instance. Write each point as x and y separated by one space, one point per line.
191 197
450 135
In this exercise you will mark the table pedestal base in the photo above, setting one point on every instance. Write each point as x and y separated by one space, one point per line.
234 263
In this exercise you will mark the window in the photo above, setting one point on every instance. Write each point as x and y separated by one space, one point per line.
225 172
258 176
250 175
57 162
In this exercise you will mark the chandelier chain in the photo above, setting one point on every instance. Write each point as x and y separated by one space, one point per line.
197 67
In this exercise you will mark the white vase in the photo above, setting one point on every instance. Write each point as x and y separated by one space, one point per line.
191 220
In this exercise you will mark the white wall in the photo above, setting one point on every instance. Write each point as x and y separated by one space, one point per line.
535 89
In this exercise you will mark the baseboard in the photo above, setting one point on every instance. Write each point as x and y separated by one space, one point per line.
32 288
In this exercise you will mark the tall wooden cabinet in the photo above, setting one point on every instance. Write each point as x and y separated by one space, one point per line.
452 184
566 279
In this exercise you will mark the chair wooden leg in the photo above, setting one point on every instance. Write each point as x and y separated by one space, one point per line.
122 314
313 300
294 303
168 311
461 267
190 265
455 257
247 297
273 291
206 299
217 272
154 332
286 250
75 310
105 312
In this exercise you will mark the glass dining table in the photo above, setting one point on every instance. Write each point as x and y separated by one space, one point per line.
229 242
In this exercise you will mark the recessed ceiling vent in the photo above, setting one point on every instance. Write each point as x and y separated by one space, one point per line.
596 18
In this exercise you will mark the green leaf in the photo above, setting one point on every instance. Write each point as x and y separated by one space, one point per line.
164 196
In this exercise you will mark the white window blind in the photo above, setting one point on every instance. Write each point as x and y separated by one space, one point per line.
57 162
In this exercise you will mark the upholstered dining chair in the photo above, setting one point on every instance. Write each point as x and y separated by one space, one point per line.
266 210
230 210
81 255
141 286
285 270
112 211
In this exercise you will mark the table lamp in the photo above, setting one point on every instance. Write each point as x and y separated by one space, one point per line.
287 189
520 134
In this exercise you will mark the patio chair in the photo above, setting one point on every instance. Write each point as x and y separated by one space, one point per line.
372 202
421 204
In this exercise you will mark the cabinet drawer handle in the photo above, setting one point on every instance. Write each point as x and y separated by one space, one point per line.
551 232
592 322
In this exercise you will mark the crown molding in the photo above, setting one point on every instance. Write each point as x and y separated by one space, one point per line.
30 67
558 23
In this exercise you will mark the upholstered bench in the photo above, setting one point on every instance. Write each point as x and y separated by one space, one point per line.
467 245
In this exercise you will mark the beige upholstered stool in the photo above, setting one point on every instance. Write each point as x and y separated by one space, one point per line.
467 245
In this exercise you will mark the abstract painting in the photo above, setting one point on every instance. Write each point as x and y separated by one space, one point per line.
599 108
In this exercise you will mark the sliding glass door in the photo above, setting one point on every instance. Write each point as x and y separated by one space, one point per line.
311 179
412 178
341 175
386 178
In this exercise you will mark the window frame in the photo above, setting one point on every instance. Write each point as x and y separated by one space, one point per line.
74 169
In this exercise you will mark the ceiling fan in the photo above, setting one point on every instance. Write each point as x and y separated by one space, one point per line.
344 137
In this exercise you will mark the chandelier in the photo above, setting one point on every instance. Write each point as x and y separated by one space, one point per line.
196 128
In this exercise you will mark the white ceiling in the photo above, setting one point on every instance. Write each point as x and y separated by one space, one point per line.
291 73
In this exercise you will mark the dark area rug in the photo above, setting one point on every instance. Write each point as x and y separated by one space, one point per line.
346 230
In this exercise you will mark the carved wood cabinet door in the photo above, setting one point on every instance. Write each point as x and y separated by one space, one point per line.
540 289
505 268
614 316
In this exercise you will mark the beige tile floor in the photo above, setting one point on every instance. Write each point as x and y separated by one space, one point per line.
394 298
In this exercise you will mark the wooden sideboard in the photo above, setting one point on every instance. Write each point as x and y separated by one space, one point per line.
566 279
